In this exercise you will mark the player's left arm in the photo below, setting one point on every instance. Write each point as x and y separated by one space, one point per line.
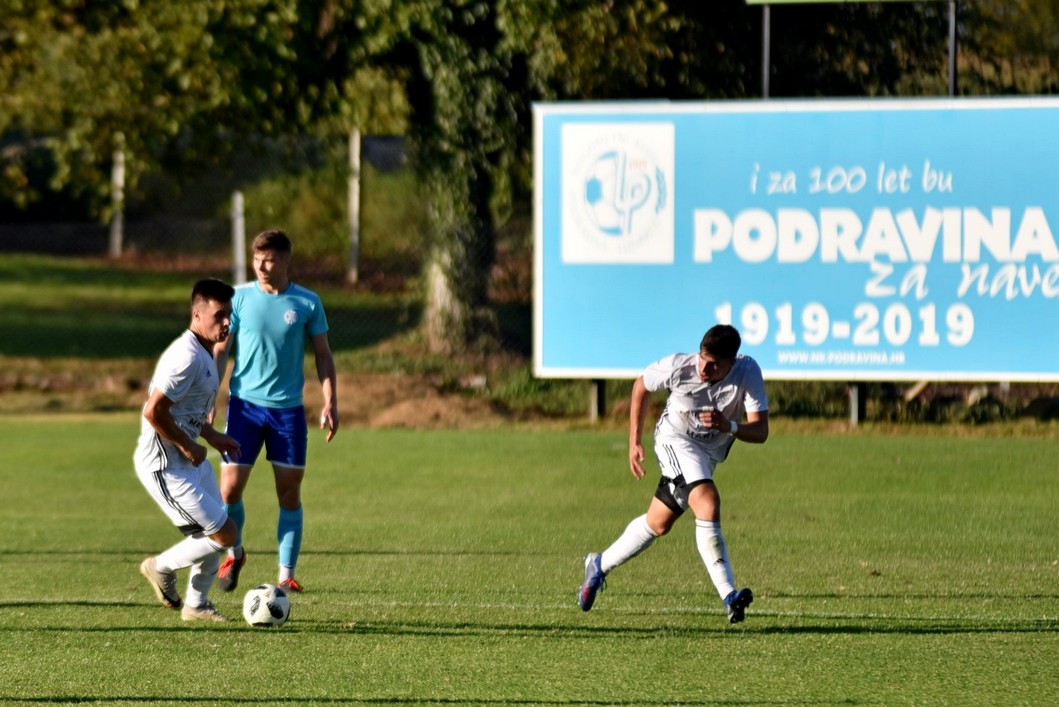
326 372
756 428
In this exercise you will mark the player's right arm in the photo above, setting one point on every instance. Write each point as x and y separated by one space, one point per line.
228 447
637 417
220 355
158 412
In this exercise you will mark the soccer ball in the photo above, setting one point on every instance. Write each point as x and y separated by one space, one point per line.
266 605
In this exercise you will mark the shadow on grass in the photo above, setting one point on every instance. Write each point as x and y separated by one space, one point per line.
560 631
143 330
850 626
137 555
228 699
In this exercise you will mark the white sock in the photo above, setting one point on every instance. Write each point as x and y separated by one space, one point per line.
637 537
201 579
285 573
186 553
714 554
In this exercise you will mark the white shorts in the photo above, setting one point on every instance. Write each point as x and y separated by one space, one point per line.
680 457
189 495
683 464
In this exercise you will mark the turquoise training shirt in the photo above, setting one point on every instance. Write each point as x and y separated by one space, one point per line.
270 335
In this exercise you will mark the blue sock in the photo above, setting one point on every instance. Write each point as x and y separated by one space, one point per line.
289 535
238 515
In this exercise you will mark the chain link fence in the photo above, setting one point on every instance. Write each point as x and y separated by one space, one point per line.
187 229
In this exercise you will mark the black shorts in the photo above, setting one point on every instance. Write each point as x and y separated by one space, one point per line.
674 493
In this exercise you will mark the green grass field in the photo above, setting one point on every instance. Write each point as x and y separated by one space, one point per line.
441 568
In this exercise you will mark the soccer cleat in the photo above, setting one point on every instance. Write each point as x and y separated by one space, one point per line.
594 582
737 602
291 586
163 583
228 574
206 612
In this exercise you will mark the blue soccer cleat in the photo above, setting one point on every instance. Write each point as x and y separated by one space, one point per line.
594 581
736 603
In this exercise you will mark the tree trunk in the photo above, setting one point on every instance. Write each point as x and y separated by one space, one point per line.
458 267
446 316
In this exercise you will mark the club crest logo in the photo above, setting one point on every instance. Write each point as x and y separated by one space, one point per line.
617 204
291 317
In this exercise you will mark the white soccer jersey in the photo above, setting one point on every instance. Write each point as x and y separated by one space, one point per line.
741 391
186 374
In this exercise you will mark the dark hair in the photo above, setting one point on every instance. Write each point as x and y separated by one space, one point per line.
721 341
212 289
273 239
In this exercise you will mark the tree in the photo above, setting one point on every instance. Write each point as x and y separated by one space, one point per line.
1010 47
179 83
184 82
473 68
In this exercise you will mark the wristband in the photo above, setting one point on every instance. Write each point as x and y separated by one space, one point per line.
735 428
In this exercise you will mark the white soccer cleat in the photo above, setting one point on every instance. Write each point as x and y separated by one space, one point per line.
163 584
206 612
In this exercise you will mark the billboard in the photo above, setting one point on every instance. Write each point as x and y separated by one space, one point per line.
846 240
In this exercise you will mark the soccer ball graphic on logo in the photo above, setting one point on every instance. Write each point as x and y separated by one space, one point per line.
266 605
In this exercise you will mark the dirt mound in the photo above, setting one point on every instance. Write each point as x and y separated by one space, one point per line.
391 400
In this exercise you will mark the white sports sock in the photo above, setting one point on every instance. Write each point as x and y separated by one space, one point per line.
285 572
637 537
201 579
714 554
186 553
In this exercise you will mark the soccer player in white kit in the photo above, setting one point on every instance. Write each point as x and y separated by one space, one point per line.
709 393
171 463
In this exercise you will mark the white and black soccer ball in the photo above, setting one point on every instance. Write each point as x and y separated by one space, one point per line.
266 605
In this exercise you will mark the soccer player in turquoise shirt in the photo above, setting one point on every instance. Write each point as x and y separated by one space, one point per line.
272 318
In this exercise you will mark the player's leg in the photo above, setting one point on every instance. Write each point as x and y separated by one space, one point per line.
640 534
245 424
705 502
198 606
668 504
234 478
663 511
190 499
290 525
286 443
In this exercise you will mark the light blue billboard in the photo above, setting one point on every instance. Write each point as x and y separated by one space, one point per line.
851 240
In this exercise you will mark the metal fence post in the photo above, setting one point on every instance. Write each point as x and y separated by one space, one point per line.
238 238
353 273
117 200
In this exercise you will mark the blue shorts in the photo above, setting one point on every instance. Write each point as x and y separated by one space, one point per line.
284 433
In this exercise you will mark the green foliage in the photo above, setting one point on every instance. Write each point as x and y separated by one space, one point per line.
1009 47
312 204
178 84
171 82
798 399
521 391
882 566
96 310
